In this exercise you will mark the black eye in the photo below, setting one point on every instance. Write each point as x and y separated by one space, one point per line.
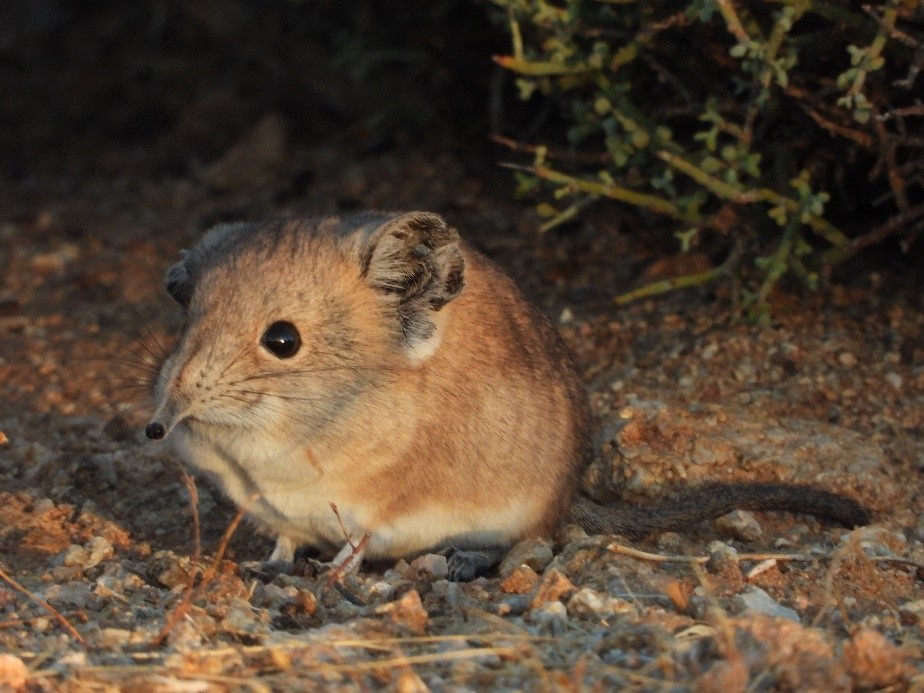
281 339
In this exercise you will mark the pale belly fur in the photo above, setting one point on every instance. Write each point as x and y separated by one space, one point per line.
292 497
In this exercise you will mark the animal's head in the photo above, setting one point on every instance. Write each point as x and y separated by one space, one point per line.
289 323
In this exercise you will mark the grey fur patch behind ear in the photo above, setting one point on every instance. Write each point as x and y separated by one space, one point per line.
416 259
178 282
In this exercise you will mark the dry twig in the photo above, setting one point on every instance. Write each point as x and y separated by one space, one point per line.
192 594
792 557
12 582
190 484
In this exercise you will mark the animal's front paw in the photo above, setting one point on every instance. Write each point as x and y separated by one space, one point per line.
266 571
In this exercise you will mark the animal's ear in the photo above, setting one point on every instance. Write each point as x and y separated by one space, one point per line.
179 281
415 259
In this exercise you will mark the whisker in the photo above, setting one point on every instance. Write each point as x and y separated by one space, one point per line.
124 387
139 365
289 398
162 352
137 340
232 361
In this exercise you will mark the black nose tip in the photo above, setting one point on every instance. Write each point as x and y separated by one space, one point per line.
155 430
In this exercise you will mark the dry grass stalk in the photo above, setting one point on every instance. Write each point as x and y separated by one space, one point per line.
8 579
193 593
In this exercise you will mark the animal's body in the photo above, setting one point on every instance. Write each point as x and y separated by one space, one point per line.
377 363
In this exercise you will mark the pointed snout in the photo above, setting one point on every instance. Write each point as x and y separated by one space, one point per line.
168 414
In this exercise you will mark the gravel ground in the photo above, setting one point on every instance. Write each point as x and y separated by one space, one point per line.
110 580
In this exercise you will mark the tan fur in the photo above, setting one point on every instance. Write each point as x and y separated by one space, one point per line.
464 421
428 400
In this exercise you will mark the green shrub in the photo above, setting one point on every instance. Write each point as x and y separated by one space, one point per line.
769 127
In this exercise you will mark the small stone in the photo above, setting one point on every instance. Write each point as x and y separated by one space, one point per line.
13 672
709 351
67 573
114 638
721 556
846 359
520 581
552 587
670 542
75 555
407 612
430 566
305 603
874 663
876 548
730 676
55 261
383 591
552 616
755 599
98 550
450 591
911 613
71 594
513 605
239 621
895 380
185 637
42 506
535 553
739 524
588 602
402 568
173 577
271 596
116 579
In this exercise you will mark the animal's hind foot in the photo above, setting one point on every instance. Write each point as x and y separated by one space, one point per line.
465 565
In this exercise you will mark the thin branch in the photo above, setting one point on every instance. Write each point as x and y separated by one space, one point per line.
581 157
190 485
539 68
192 594
916 110
338 572
656 204
664 285
8 579
343 529
735 27
792 557
861 138
821 226
881 232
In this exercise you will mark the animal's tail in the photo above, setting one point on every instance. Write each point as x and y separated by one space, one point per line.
709 501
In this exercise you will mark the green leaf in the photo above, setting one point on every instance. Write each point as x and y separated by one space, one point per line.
779 215
711 165
526 88
545 210
687 238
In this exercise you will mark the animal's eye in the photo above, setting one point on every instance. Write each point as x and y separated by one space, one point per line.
281 339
